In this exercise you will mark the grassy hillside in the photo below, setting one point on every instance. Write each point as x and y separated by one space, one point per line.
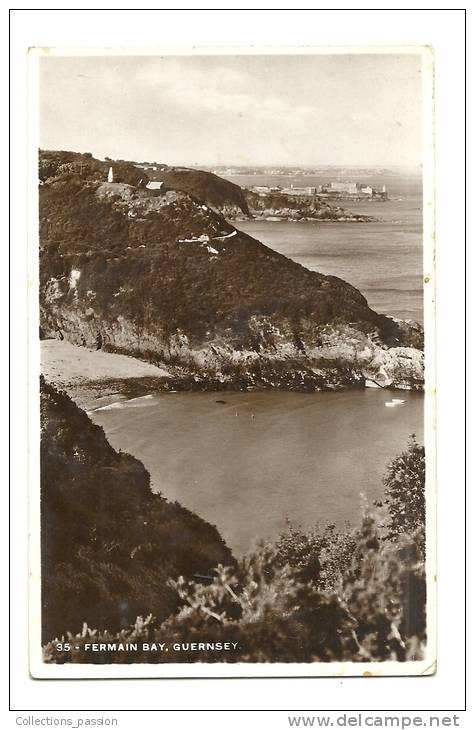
216 192
108 544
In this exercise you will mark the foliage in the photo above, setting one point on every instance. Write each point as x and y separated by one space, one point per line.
54 166
374 612
405 492
384 591
319 556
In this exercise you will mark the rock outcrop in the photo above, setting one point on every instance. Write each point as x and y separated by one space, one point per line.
298 208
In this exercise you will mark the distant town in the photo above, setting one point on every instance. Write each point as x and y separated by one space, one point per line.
333 190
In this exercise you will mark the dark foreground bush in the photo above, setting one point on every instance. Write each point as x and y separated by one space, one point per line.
266 613
405 493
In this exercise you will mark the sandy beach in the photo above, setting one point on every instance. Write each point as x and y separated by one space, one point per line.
93 377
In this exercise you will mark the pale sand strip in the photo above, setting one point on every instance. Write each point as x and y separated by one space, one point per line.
69 367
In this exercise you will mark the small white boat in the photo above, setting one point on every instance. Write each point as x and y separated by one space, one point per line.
398 401
390 404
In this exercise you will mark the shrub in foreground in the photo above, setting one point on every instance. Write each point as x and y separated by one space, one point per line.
374 612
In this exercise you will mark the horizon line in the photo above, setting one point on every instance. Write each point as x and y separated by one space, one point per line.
285 165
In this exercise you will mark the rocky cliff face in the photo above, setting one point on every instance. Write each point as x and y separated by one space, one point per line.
164 277
108 545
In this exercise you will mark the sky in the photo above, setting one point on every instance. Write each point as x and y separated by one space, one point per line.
303 110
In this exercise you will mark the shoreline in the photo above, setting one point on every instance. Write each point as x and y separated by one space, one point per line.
310 219
97 378
307 219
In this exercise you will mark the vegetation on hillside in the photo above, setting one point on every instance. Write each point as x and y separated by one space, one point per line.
140 258
404 493
215 191
56 165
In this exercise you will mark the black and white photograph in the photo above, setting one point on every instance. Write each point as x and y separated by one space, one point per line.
235 263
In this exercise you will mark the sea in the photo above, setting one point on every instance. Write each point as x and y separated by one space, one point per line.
260 460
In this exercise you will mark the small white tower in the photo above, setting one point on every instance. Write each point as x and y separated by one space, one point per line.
110 176
383 189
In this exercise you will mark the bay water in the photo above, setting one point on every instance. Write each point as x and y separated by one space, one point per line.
258 459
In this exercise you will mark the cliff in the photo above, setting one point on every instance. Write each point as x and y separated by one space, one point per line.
162 276
108 544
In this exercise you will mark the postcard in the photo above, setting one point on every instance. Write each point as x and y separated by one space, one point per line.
232 381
